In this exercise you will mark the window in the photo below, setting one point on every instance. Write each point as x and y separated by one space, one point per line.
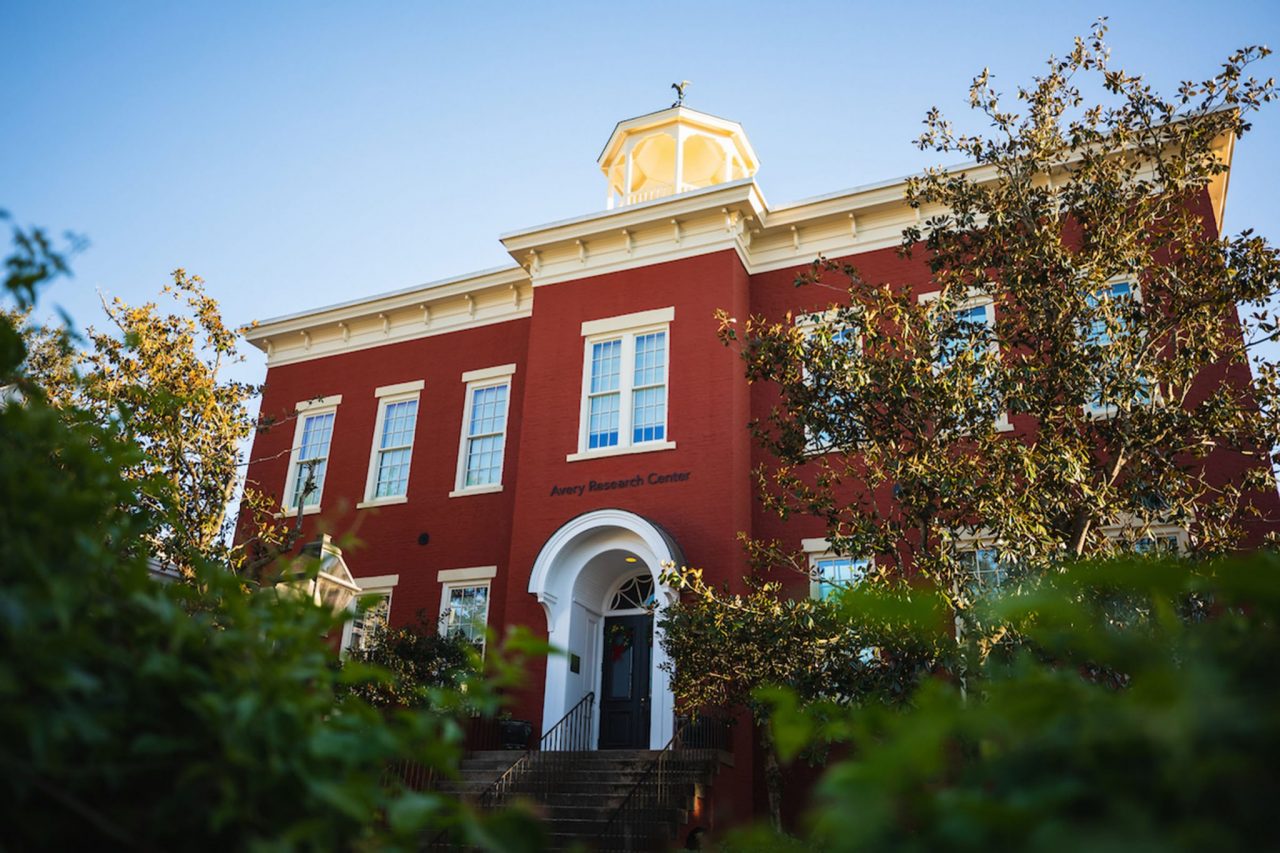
371 609
309 458
635 593
845 347
464 601
1162 539
1111 301
970 329
392 443
624 385
984 566
829 572
832 574
466 611
484 430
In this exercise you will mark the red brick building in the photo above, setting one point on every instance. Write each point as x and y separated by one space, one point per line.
528 445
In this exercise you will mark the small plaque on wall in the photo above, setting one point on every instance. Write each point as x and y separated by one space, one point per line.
575 663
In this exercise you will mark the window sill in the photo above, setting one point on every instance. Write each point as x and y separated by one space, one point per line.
605 452
388 501
292 512
490 489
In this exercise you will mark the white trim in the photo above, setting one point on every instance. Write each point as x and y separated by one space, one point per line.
626 386
400 388
308 409
474 573
387 501
815 555
371 477
628 322
496 372
447 587
383 585
553 579
330 402
605 452
977 297
815 546
376 583
486 489
489 377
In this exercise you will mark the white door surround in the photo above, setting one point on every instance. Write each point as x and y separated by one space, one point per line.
573 578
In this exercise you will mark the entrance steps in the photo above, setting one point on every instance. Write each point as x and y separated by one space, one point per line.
578 798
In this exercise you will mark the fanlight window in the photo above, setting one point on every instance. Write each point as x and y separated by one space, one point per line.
635 594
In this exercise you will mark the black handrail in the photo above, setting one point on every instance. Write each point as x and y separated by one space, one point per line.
541 765
637 822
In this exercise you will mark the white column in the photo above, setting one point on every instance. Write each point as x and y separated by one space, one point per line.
627 178
679 176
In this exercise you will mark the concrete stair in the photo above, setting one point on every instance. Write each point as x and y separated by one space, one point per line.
578 797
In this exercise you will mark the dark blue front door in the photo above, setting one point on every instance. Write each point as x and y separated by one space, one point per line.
624 682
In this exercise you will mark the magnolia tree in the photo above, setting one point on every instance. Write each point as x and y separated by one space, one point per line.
1079 381
1080 377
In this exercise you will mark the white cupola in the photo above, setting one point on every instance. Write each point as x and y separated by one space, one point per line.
673 151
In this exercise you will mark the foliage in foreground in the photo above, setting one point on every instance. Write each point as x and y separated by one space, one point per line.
199 715
421 660
1133 706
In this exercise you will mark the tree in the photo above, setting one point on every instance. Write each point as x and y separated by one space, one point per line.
1157 732
1106 390
156 380
727 650
205 715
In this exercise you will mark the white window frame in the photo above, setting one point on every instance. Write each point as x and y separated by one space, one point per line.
807 324
626 328
1117 533
983 539
487 377
387 395
976 298
820 549
1108 411
381 585
467 578
308 409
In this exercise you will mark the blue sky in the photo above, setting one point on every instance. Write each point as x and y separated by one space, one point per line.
299 154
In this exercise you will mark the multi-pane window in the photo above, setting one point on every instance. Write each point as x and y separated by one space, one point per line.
625 390
368 619
844 348
311 457
1112 300
649 389
483 436
831 574
466 611
486 436
392 451
984 567
1161 544
972 329
604 406
395 446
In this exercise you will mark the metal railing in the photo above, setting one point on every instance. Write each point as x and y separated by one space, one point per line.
542 766
642 819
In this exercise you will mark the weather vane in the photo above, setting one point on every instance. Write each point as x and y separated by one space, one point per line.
680 87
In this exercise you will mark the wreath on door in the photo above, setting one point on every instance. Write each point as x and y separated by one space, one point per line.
620 638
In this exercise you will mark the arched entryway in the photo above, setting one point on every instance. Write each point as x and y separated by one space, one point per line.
587 578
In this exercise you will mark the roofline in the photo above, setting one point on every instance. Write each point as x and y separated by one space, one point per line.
257 328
